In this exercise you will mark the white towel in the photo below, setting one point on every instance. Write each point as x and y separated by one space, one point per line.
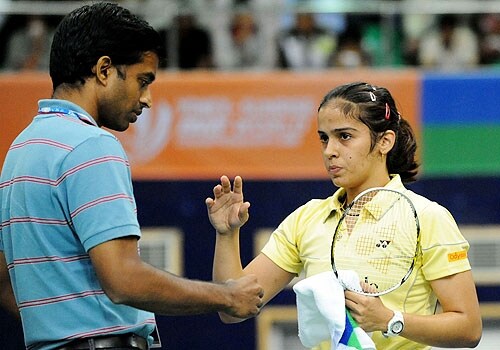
322 314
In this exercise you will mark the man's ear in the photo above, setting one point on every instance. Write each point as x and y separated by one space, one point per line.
387 141
102 69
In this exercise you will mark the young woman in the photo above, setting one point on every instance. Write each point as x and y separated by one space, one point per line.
365 143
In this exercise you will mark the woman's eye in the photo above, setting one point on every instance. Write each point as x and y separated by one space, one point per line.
345 136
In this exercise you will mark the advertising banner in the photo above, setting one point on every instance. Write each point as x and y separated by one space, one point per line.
206 124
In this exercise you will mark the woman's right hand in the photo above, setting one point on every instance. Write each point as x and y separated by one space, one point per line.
227 211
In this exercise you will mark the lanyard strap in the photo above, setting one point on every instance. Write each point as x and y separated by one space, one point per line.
80 116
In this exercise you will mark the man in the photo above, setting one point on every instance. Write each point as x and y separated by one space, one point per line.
69 231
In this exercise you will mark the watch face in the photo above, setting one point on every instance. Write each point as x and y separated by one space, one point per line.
397 327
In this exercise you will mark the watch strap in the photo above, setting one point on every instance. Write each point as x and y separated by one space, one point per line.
397 318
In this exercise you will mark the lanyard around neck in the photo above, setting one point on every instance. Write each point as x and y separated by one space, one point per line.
84 118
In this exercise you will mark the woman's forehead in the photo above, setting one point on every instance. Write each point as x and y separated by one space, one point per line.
339 105
341 110
332 119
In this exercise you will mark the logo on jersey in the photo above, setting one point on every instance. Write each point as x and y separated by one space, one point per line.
456 256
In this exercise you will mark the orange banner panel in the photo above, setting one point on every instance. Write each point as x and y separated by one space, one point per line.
206 124
19 94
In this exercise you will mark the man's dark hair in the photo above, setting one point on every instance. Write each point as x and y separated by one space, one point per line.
93 31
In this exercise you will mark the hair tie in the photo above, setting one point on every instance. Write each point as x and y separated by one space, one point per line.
387 111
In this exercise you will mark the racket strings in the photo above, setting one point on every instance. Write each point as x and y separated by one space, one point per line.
381 241
354 211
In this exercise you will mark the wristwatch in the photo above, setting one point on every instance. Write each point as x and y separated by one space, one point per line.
395 325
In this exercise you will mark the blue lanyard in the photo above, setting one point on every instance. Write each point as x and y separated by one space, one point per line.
82 117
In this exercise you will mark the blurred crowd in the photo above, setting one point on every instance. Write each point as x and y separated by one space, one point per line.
231 35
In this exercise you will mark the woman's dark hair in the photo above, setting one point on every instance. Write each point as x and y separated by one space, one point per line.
93 31
375 107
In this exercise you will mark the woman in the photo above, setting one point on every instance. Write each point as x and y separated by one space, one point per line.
365 143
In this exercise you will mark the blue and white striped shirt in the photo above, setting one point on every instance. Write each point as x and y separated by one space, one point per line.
65 187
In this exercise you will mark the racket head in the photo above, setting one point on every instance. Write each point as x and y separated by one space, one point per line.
376 242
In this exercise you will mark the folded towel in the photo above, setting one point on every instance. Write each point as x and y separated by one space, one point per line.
319 320
322 315
354 337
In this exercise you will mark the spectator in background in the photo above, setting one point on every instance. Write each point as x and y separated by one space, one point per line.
28 47
6 28
413 27
7 25
350 52
489 29
194 43
3 17
450 45
242 47
306 45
